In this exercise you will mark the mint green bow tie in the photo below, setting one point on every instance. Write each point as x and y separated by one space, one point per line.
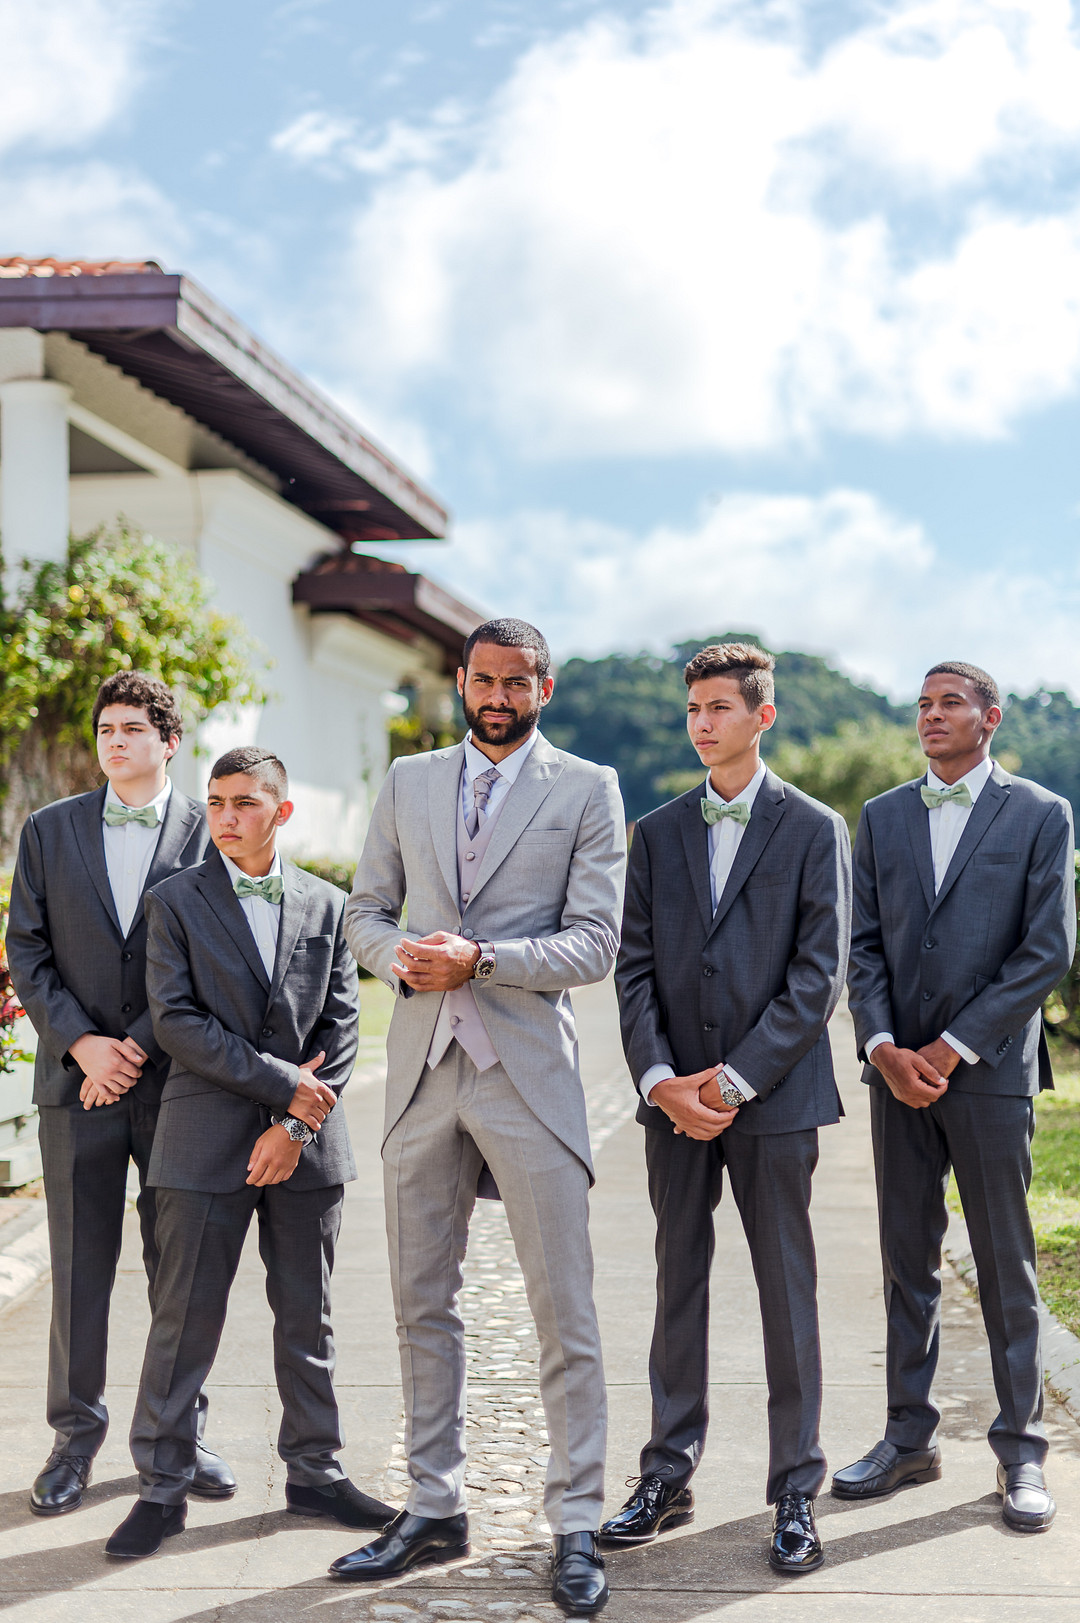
116 816
712 813
959 794
271 889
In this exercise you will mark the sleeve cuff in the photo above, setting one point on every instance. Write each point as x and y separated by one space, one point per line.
744 1088
655 1074
960 1048
876 1040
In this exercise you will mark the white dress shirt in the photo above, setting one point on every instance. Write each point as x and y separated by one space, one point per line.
947 823
129 851
264 918
724 840
508 769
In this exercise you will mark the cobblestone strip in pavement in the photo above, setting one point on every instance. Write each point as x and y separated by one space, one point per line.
507 1440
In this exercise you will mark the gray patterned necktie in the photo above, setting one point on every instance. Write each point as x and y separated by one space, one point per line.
483 784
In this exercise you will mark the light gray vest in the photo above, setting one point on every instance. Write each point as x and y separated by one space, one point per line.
459 1017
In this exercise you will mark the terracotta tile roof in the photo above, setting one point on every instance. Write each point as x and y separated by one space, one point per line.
18 265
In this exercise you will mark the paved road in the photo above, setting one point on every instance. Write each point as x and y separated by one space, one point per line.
935 1553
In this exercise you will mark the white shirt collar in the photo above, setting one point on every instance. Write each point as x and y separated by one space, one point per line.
509 767
749 794
160 800
976 779
236 873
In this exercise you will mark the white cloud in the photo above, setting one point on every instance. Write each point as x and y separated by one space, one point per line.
88 211
838 574
693 234
67 66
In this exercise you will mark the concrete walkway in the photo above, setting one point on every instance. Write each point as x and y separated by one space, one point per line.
938 1552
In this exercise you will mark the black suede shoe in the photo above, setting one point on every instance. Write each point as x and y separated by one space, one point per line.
795 1546
407 1542
59 1487
212 1479
578 1584
1026 1504
142 1532
654 1505
341 1501
884 1470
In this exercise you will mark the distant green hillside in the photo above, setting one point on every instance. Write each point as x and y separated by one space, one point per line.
628 712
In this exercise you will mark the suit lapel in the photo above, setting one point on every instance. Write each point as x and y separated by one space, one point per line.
86 818
769 805
291 922
216 887
695 838
918 831
995 793
535 782
180 822
444 809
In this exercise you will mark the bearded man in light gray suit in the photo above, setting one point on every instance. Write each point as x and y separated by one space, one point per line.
511 856
964 922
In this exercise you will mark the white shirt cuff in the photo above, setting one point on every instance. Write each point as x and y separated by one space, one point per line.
960 1048
655 1074
744 1087
878 1038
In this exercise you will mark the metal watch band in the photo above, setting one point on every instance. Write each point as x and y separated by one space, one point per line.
298 1131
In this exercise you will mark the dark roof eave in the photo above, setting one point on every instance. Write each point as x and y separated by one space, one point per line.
402 598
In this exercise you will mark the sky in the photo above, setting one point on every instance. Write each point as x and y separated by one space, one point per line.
699 315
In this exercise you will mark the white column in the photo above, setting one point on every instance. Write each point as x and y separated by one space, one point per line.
34 469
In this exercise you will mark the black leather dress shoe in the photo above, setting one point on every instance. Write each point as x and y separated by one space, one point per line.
59 1488
1026 1503
884 1470
142 1532
341 1501
212 1479
578 1584
407 1542
653 1507
795 1547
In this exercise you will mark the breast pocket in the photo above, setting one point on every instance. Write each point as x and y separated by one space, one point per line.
993 858
314 943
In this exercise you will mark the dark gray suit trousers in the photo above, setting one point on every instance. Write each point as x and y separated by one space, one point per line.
201 1237
770 1177
986 1139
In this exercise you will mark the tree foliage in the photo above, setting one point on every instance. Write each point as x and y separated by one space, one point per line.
849 767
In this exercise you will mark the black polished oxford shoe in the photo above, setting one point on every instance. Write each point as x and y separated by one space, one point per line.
578 1584
143 1531
339 1500
1026 1502
213 1478
407 1542
654 1506
884 1470
795 1547
59 1487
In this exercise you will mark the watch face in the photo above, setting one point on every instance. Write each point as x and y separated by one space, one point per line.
731 1095
485 967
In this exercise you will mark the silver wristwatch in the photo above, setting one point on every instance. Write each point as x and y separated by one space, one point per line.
484 967
729 1092
298 1131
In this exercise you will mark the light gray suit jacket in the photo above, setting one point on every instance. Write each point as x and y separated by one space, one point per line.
548 895
979 958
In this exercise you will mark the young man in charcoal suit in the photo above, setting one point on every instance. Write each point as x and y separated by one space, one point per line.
253 994
734 948
964 922
76 944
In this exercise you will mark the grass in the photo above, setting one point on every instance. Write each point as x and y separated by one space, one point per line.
376 1007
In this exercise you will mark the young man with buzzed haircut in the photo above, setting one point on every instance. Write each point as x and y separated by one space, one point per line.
734 948
253 995
964 922
76 944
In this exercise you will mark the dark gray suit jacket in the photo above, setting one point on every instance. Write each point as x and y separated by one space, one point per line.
70 963
754 983
980 958
237 1037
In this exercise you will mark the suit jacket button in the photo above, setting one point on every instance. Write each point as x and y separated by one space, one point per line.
927 996
467 933
470 856
125 1008
268 1031
929 945
708 970
125 957
707 1026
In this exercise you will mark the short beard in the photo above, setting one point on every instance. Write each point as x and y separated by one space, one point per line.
518 729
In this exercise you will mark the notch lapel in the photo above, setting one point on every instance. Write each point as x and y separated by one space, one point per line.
290 923
918 832
86 818
178 825
769 806
444 809
995 793
695 838
535 782
216 887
